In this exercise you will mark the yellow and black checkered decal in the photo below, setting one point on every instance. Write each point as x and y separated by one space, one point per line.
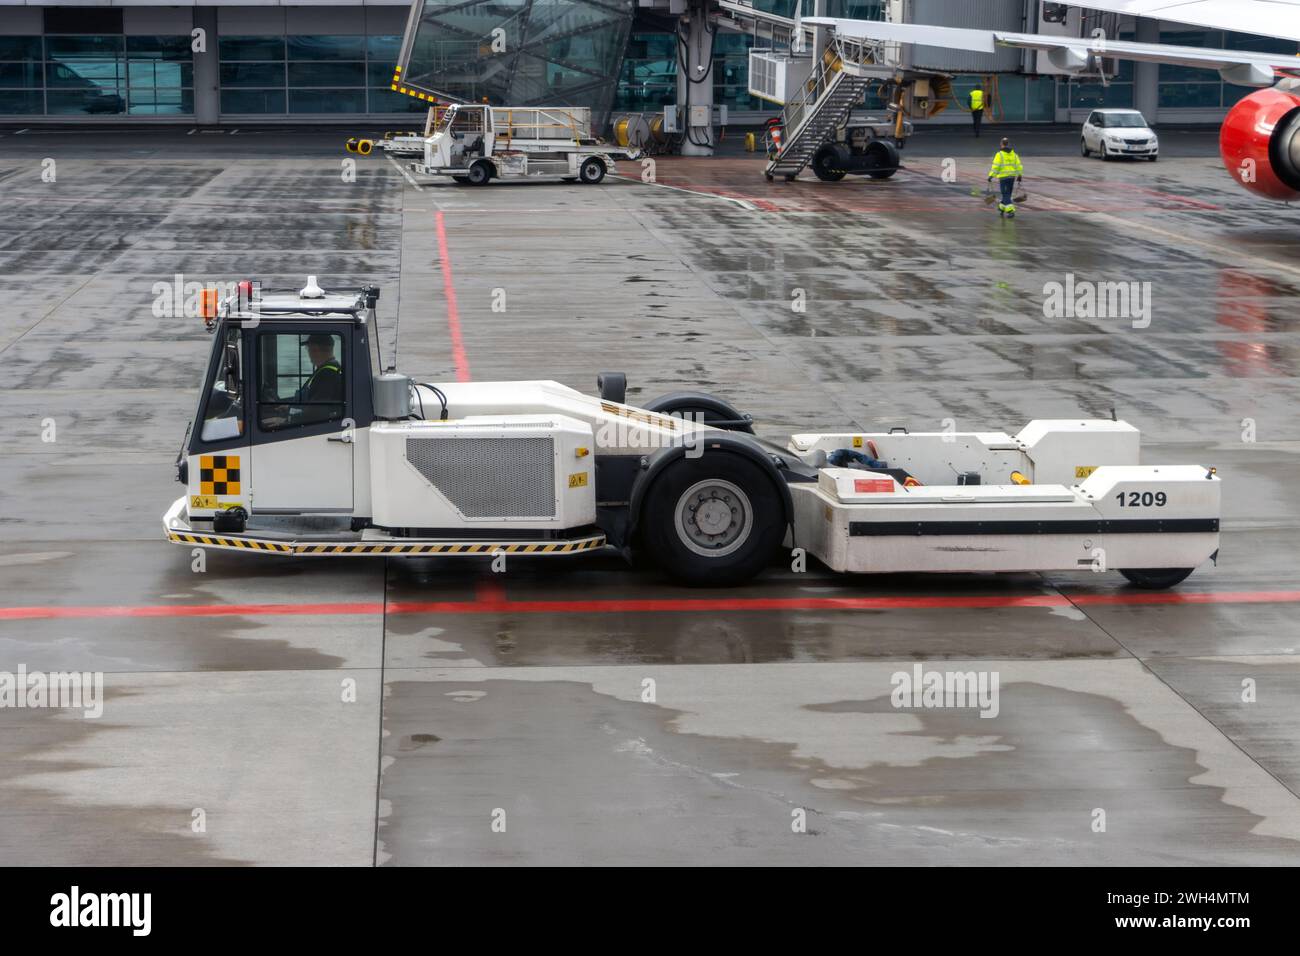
218 474
573 546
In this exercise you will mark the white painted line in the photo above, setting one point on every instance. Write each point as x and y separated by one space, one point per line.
742 203
407 176
20 132
1181 238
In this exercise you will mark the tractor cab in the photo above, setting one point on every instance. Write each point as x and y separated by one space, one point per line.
462 134
287 397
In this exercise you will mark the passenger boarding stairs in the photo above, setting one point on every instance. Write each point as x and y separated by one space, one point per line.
836 87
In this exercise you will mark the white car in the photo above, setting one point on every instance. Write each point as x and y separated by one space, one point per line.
1116 132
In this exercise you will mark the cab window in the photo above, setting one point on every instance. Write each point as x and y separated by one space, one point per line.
223 416
300 379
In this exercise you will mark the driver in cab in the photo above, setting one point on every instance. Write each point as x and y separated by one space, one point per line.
320 397
325 384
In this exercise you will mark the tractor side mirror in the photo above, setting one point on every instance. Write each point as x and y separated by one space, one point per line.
230 370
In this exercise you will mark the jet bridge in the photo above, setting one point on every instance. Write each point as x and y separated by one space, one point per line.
569 53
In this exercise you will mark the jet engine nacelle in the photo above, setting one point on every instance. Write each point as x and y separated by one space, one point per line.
1260 143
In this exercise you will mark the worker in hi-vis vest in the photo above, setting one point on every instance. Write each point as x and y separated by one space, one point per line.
1007 170
977 107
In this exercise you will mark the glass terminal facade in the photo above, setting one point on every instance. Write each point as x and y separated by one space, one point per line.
521 52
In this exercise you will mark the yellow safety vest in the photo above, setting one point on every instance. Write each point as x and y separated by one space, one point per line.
329 366
1006 163
977 99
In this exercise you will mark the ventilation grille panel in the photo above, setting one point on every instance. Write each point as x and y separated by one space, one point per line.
489 476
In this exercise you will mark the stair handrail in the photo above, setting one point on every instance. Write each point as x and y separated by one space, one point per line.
843 51
796 113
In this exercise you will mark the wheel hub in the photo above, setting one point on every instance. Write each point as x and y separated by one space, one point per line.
714 517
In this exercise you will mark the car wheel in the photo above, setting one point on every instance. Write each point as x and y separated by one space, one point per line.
713 521
480 174
1152 159
1083 147
1155 579
592 171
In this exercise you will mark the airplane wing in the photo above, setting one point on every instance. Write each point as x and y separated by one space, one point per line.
1270 18
1075 54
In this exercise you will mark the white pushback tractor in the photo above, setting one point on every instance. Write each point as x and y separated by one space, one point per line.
304 445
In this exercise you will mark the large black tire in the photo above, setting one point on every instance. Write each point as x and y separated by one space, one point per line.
480 174
882 159
1083 147
592 171
1155 579
823 165
612 386
702 407
712 521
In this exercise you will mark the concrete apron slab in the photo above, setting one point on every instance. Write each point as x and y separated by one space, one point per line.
196 768
716 768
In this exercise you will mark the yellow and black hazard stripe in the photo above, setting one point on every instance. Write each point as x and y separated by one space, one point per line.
399 87
362 547
222 541
451 547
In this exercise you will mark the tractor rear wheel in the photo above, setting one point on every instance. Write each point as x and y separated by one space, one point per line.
591 171
480 174
1155 579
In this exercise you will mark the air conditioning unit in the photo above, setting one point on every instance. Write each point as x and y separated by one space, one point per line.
777 76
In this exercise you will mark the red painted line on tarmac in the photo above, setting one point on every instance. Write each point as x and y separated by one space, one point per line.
458 356
490 599
184 610
1191 597
644 605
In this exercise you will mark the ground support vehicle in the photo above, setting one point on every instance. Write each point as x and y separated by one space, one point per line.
475 144
303 445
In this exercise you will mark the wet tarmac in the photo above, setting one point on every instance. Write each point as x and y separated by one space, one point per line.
260 710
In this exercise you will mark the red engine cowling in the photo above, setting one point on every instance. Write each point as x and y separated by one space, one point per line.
1260 143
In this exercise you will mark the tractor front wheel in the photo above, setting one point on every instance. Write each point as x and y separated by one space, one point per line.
712 521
